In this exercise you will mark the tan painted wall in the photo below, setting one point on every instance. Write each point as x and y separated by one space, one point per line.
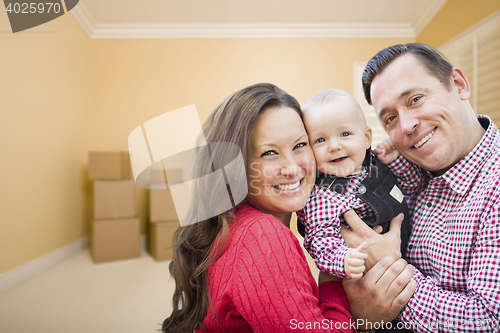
136 80
455 17
45 89
66 95
63 95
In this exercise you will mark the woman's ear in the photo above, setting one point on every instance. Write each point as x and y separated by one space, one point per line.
368 136
460 82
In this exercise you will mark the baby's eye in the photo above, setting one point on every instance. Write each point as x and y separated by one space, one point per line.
300 145
345 134
320 140
269 153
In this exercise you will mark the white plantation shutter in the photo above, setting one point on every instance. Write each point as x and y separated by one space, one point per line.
488 94
477 53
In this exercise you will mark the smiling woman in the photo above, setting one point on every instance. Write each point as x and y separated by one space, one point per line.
244 270
282 169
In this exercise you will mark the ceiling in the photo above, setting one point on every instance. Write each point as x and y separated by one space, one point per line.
255 18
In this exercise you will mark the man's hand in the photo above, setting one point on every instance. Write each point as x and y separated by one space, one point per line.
382 292
378 245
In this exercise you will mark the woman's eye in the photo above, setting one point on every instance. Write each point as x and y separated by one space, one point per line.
300 145
269 153
320 140
345 134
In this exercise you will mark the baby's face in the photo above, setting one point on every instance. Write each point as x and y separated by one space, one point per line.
338 135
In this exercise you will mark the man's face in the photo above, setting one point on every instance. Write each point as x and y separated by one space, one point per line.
426 122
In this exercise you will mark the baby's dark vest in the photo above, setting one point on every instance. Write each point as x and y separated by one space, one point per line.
379 190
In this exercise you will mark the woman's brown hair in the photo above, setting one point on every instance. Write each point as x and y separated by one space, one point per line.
198 245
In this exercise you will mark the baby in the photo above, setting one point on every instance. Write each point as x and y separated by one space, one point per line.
348 177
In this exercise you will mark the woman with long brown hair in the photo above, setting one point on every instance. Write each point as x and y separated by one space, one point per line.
244 270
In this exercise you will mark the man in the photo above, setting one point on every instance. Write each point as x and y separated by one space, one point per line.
422 102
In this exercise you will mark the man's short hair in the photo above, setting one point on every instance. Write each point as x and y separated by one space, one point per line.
432 59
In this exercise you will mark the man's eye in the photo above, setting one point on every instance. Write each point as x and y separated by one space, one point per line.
415 100
320 140
300 145
269 153
389 119
345 134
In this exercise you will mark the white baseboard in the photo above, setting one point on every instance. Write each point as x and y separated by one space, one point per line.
16 276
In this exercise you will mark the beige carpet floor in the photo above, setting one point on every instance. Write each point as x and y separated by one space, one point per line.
78 296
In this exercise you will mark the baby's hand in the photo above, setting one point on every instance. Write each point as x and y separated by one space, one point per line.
385 152
354 262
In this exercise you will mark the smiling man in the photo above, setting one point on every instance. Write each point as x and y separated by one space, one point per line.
453 182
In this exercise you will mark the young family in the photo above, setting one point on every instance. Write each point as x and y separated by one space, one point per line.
407 236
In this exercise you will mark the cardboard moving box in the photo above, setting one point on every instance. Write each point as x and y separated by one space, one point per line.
161 206
160 239
109 165
114 199
115 239
158 177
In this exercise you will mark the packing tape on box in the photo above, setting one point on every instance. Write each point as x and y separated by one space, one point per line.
174 144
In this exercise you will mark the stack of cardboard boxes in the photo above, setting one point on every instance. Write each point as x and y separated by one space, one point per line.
162 215
115 229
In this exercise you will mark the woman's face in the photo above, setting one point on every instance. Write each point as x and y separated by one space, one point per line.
281 163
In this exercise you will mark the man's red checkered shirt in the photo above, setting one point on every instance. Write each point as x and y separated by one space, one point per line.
455 241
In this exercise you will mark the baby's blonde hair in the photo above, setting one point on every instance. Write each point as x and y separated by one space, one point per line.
325 96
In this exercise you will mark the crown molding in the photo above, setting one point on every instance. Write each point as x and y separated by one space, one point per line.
426 15
238 30
84 18
257 30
